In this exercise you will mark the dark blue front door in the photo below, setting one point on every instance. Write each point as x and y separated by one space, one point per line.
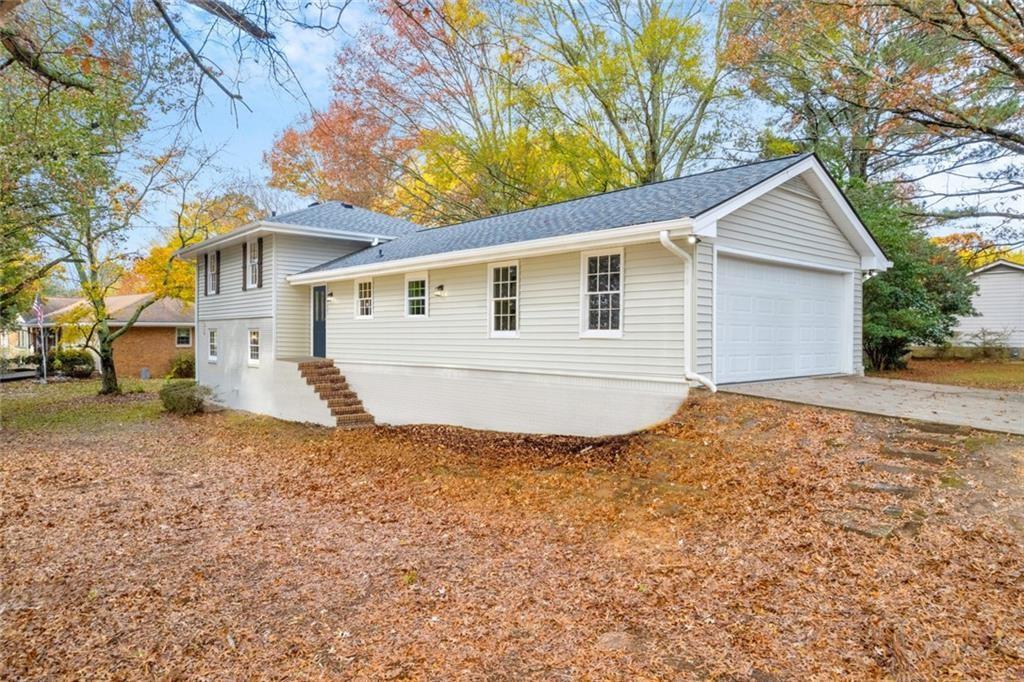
319 322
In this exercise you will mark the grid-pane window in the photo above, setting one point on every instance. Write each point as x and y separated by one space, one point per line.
364 299
504 299
182 337
254 346
416 297
604 293
212 345
212 279
254 264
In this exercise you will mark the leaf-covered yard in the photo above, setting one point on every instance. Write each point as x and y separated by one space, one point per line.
1002 375
743 540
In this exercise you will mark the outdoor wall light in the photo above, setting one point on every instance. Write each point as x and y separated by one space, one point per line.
692 239
439 291
330 296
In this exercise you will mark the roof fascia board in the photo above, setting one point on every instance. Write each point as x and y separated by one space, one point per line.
832 200
997 263
525 249
268 227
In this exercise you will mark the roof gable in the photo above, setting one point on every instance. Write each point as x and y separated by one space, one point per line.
1001 265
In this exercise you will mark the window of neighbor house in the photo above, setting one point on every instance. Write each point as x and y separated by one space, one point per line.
602 294
254 346
212 349
183 337
504 294
364 298
416 295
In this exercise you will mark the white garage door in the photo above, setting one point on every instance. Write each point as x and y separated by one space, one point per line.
776 321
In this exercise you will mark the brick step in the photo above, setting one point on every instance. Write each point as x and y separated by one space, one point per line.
339 410
322 386
354 420
345 402
331 395
320 372
313 364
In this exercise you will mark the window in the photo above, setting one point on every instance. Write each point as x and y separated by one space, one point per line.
416 295
364 298
254 264
24 341
213 272
183 337
504 286
254 346
211 353
602 294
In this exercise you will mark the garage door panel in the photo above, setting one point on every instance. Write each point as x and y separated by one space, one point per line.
775 321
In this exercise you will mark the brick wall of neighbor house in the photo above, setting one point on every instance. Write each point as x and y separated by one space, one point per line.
151 347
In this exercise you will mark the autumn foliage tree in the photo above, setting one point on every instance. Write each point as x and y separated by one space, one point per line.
463 109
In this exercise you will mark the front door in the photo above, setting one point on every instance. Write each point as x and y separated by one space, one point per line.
319 322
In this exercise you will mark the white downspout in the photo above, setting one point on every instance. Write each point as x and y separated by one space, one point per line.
687 326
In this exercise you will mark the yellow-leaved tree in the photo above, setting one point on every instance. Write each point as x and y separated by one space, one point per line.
197 220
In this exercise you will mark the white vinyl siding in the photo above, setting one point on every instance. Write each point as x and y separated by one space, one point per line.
999 302
293 254
232 302
787 223
549 340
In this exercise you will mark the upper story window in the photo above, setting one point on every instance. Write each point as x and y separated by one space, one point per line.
602 293
254 346
211 351
183 337
416 295
211 262
504 294
254 265
364 298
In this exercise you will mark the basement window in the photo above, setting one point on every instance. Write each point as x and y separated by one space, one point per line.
211 352
254 347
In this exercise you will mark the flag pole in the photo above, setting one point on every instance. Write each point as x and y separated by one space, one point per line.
42 333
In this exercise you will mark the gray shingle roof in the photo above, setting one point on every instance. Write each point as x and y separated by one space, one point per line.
336 215
687 196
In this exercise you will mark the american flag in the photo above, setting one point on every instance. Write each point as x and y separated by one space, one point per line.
37 308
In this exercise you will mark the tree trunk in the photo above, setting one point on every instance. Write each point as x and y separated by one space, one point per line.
108 375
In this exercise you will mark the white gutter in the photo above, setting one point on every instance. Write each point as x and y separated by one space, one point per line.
663 236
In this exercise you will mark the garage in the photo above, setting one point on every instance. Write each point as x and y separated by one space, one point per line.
776 320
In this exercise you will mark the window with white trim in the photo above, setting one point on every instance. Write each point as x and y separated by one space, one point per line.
254 346
416 295
253 254
212 276
182 337
211 350
504 295
364 298
602 293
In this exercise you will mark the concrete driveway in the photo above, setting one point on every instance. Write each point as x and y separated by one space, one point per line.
977 408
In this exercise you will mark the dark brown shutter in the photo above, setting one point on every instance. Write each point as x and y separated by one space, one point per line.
245 266
206 274
259 256
217 258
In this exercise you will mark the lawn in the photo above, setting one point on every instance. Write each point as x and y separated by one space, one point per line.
742 540
1004 375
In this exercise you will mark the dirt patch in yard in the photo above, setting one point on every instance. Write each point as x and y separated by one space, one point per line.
742 540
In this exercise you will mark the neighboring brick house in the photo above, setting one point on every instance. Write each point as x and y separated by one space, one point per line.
163 331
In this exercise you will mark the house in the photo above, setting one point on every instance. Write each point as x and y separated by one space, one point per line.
590 316
163 330
999 303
